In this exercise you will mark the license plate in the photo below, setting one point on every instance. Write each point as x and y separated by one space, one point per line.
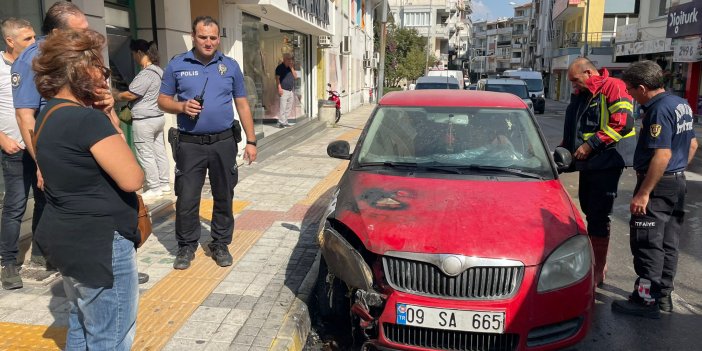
448 319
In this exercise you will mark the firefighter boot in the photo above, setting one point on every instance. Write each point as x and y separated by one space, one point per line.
599 247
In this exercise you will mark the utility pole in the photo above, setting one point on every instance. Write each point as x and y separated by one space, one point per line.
587 19
429 37
382 48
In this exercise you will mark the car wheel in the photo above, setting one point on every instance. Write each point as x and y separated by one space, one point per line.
332 301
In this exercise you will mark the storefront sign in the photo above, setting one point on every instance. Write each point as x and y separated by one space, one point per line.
643 47
628 33
684 20
687 50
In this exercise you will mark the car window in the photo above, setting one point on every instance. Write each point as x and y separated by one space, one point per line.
421 86
455 137
519 90
534 84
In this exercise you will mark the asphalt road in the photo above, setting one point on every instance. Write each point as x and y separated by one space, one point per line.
680 330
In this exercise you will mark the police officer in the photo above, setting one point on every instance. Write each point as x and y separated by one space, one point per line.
27 102
205 82
599 132
666 146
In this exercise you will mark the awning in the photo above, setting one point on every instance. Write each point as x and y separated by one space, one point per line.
286 16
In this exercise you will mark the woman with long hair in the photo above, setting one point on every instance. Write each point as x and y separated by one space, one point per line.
88 230
147 119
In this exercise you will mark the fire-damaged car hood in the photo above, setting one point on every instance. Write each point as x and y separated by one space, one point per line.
498 217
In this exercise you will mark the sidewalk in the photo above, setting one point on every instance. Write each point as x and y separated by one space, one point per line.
258 303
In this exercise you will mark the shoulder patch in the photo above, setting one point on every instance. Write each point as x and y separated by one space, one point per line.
655 130
15 79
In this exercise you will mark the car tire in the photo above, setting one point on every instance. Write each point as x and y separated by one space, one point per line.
332 301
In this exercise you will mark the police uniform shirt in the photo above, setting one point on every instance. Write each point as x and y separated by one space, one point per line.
668 124
24 91
185 78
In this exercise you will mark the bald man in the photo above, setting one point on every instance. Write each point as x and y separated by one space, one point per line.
599 132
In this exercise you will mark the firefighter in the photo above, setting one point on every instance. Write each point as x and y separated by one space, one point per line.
599 132
666 146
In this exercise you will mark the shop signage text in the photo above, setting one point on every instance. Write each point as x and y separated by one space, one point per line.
643 47
687 50
629 33
684 20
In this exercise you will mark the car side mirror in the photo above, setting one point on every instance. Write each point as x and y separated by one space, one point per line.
339 149
563 159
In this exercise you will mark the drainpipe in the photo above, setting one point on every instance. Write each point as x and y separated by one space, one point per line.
587 19
383 38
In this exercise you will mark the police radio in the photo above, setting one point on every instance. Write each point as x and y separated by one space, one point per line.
201 98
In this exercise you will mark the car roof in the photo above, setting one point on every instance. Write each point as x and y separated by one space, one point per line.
437 79
451 98
504 81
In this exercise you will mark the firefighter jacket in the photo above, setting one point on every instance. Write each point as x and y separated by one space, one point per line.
603 117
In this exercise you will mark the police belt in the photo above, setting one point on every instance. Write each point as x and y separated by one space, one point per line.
203 139
643 173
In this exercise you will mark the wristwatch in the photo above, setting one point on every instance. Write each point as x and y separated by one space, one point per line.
251 142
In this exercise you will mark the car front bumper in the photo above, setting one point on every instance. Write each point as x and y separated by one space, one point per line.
533 321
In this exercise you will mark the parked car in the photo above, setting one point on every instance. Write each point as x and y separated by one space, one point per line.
436 83
451 230
506 85
473 87
535 84
458 74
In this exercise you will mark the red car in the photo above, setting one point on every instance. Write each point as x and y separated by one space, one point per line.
450 230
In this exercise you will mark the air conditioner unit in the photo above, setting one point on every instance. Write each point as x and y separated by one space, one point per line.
367 63
325 41
374 62
366 56
346 45
376 57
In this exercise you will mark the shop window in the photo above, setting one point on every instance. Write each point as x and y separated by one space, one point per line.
265 46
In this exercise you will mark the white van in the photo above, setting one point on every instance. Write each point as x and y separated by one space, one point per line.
448 73
535 83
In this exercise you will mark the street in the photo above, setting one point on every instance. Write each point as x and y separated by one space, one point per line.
679 330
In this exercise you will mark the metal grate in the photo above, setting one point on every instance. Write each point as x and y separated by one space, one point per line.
474 283
449 340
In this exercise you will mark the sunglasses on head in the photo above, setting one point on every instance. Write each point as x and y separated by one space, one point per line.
106 72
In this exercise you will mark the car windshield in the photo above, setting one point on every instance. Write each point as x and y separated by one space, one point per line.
534 84
455 139
519 90
421 86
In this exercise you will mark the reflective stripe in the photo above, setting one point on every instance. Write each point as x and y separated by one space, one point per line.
624 105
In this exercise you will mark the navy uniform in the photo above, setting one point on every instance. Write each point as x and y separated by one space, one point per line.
654 236
26 95
205 144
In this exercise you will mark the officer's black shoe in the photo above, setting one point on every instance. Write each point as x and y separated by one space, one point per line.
221 255
10 277
665 303
636 308
185 255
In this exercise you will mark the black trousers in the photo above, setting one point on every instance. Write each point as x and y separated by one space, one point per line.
597 190
654 237
193 163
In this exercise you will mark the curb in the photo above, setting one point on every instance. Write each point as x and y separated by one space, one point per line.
297 323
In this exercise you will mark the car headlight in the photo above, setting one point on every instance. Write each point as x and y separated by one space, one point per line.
542 96
566 265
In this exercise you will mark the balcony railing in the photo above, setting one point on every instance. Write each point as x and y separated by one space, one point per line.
504 42
577 39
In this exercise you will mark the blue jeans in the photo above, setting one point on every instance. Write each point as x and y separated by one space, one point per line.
105 318
20 173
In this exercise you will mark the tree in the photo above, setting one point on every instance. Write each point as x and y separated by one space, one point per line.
405 55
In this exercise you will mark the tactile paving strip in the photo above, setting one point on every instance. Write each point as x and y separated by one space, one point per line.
23 337
165 307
